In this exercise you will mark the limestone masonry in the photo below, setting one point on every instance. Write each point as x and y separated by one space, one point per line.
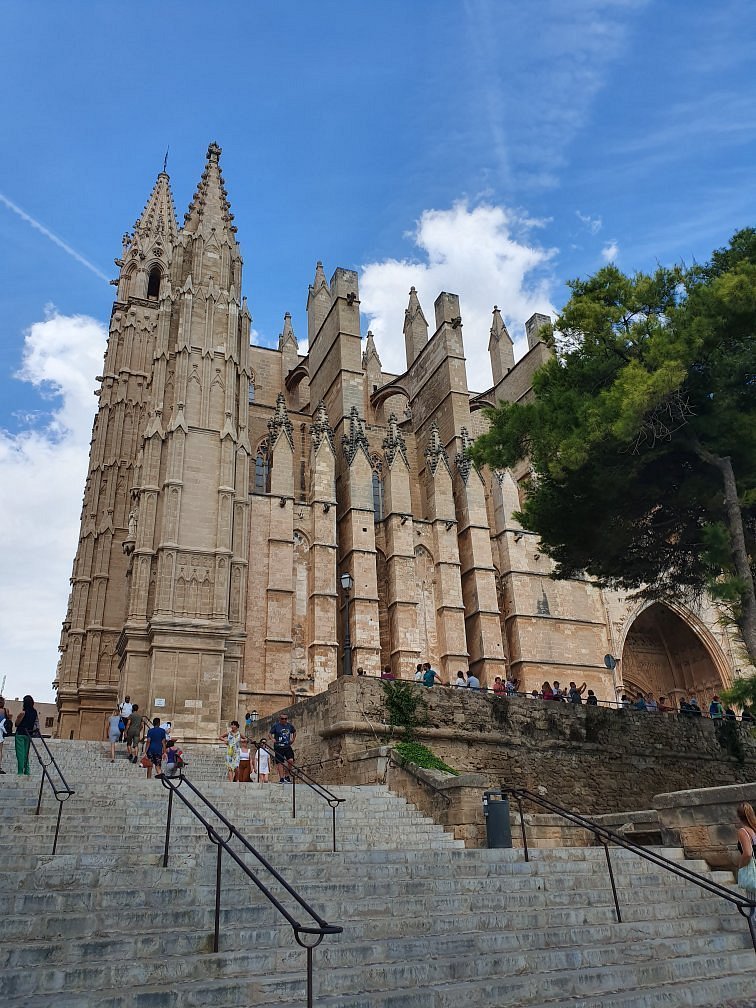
230 486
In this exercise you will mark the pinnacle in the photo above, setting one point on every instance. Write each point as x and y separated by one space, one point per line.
210 209
158 219
498 328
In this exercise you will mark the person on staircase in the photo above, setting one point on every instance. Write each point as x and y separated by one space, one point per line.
155 748
133 731
27 725
6 728
747 847
283 735
232 738
114 729
262 765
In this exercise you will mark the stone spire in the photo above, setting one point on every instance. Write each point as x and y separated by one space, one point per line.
318 302
500 348
435 453
415 328
321 428
158 219
281 423
462 459
370 352
210 210
355 440
287 336
393 443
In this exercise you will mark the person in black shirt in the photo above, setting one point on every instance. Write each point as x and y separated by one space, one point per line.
27 724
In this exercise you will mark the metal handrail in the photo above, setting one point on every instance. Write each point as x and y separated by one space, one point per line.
746 907
320 789
300 930
61 791
413 773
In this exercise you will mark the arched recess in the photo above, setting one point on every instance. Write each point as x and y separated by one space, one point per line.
425 589
667 650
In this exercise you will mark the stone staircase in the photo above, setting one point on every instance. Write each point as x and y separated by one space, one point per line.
427 924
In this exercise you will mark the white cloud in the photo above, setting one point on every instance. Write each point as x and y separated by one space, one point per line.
594 224
42 471
610 251
481 253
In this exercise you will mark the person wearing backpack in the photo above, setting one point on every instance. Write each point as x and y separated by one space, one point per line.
6 729
27 725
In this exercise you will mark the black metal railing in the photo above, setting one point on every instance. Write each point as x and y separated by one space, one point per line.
60 788
303 933
298 774
605 837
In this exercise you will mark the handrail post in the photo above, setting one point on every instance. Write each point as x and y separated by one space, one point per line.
309 976
333 824
57 826
293 796
168 826
218 867
41 785
611 879
522 827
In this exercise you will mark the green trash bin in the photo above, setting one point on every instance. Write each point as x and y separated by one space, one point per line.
496 815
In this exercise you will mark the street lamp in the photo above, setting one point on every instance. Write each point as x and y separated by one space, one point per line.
346 584
253 716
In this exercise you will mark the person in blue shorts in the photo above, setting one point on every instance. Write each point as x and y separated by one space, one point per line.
283 735
155 748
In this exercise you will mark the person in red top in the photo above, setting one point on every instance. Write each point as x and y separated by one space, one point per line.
498 687
547 692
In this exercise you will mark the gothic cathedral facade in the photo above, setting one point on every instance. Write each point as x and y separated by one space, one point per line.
231 486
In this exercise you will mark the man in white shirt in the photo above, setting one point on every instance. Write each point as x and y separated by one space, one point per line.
125 709
460 680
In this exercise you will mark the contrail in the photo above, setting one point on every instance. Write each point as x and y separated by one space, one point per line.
53 237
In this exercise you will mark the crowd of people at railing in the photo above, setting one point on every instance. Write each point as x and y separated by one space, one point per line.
507 686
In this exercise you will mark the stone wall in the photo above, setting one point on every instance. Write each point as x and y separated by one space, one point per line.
596 760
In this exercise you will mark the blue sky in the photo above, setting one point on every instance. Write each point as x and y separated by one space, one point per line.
491 148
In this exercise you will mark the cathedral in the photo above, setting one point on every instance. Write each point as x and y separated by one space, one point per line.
233 490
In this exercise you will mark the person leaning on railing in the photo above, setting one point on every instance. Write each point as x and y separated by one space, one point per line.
27 725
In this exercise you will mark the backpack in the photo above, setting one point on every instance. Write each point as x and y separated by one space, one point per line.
7 727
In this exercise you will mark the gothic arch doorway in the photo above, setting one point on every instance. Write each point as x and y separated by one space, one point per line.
664 656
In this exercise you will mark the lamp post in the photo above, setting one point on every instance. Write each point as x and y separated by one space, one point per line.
346 584
253 716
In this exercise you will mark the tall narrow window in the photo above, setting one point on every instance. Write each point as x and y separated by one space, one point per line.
262 468
251 392
153 283
377 487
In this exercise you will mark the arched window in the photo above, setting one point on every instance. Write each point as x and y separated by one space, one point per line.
262 468
377 464
153 283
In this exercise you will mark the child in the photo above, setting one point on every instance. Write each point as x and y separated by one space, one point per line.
262 765
245 764
173 759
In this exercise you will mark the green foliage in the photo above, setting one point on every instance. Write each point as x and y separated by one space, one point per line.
652 387
405 706
421 756
742 693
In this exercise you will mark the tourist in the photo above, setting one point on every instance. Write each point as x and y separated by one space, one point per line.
747 847
244 770
6 729
232 738
694 708
716 710
249 726
430 676
557 693
386 674
114 726
591 700
624 702
472 681
156 738
167 728
512 686
685 710
133 731
546 691
173 760
499 689
461 681
651 704
419 672
125 709
27 726
730 714
284 735
574 694
262 764
662 706
640 703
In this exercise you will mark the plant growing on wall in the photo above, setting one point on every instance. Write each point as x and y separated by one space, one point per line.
405 706
420 755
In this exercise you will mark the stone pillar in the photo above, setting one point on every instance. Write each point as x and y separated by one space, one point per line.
323 657
482 624
450 612
400 555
